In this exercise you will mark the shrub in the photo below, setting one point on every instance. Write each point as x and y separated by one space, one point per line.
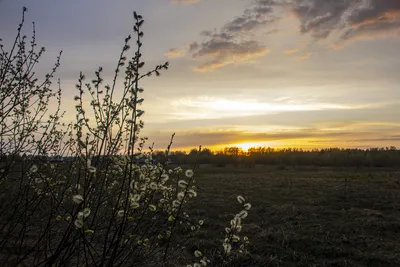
108 203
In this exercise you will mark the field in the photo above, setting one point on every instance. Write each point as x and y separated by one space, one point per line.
306 216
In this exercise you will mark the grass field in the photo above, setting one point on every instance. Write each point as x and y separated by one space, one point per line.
307 216
303 216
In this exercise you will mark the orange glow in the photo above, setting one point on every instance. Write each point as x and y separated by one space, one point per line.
246 145
304 143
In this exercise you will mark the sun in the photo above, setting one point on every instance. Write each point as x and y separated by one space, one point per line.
246 145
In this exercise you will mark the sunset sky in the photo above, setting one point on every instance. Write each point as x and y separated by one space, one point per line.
280 73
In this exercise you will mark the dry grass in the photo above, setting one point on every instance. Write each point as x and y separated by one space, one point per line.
307 217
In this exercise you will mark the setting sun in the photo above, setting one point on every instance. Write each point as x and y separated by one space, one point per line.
245 146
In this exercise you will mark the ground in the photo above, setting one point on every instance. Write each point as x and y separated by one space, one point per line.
306 216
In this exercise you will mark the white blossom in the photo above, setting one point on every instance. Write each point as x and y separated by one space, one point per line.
152 207
181 195
227 248
235 222
136 197
33 169
164 178
242 214
192 193
247 206
78 199
153 186
135 205
86 212
182 184
78 223
198 254
189 173
132 185
235 238
240 199
80 215
176 203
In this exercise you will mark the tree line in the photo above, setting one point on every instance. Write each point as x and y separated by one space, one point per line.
340 157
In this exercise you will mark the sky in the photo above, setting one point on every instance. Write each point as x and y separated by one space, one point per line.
278 73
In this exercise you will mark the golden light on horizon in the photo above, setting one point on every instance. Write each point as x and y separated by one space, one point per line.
304 143
245 146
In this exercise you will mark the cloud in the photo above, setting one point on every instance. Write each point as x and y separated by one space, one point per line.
305 56
235 41
185 1
205 107
229 57
347 19
393 138
223 36
319 17
193 47
340 21
244 24
300 137
208 120
212 112
375 10
214 64
228 52
290 51
174 53
377 29
217 137
273 31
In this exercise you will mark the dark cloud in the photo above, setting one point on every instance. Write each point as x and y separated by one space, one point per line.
241 25
348 18
217 36
234 42
345 19
376 29
375 10
227 52
341 20
193 46
228 48
320 17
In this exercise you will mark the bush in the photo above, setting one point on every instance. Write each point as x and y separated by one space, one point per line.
107 202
